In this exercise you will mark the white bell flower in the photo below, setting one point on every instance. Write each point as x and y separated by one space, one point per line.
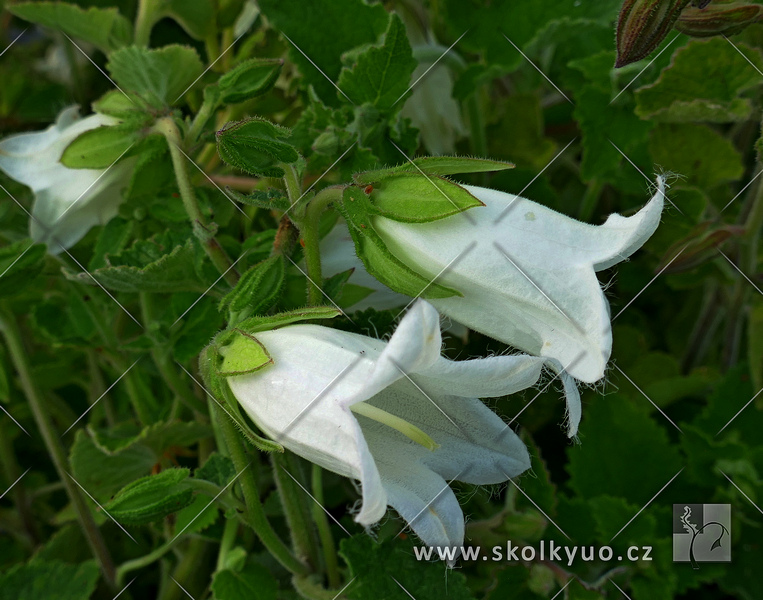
395 415
527 273
68 202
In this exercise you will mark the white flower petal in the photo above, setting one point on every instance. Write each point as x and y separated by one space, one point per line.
527 273
68 202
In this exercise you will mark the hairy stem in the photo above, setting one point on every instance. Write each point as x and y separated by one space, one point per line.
55 447
201 228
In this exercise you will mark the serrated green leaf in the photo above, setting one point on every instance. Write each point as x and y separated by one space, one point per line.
105 28
158 437
20 264
624 453
249 79
102 474
151 498
703 83
200 514
158 77
372 563
111 241
414 198
381 75
324 30
101 147
259 287
256 146
253 581
218 469
242 353
154 265
52 580
700 154
116 104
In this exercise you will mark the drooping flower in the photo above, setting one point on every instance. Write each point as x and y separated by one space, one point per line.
526 273
395 415
68 202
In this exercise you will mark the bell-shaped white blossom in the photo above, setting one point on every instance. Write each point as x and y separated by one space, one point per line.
527 273
395 415
68 202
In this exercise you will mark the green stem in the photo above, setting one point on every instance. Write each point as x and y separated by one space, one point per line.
55 447
201 228
145 20
324 530
309 228
294 502
202 117
256 518
226 543
187 572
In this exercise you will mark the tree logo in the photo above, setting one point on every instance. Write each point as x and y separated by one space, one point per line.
701 533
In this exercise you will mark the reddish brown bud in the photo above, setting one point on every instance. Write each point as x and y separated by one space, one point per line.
722 17
642 25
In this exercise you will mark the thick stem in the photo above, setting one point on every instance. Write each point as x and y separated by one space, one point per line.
255 513
55 447
201 228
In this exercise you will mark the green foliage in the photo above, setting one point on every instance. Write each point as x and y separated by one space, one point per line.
49 579
105 28
200 246
381 75
155 77
386 570
703 83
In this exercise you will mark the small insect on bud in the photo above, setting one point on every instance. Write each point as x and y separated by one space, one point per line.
368 189
719 18
642 26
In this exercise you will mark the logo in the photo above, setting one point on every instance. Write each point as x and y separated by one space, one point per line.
701 533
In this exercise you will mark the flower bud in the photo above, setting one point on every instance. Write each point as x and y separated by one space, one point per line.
719 18
642 25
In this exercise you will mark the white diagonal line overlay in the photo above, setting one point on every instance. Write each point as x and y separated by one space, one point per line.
16 39
212 64
739 412
650 282
187 593
344 314
731 262
537 68
620 589
649 64
323 508
506 210
460 255
14 483
550 520
220 493
99 68
107 513
338 89
647 397
10 416
432 66
647 504
731 481
89 408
